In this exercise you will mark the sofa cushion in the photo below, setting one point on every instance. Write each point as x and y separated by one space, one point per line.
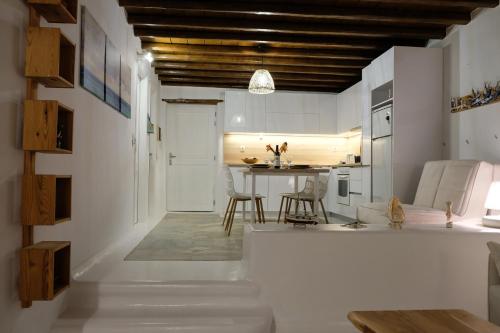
495 254
429 183
494 304
376 212
456 185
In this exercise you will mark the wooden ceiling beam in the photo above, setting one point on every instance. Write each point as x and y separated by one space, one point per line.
253 68
245 86
327 12
261 61
435 3
245 81
259 50
248 75
283 27
343 42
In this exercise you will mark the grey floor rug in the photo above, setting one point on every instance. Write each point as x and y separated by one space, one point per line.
190 237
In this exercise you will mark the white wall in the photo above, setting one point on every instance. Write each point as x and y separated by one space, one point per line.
101 164
471 59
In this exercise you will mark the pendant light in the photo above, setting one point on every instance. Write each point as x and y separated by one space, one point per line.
262 82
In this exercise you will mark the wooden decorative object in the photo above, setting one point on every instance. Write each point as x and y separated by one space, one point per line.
50 58
46 199
45 270
48 127
56 11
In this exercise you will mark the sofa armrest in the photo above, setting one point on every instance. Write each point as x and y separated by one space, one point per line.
493 277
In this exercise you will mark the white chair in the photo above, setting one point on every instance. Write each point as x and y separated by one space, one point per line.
234 198
306 195
463 182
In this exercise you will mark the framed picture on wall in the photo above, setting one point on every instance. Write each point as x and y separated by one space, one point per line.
112 78
92 55
125 89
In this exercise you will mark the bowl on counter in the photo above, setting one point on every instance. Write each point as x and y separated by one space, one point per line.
250 160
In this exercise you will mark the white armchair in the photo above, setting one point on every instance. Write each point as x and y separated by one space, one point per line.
465 183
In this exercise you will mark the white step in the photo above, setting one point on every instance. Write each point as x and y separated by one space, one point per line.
153 325
171 288
150 307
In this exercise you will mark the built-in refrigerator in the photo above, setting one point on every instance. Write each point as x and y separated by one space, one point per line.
382 153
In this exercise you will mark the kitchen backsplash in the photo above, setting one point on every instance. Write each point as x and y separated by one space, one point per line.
302 149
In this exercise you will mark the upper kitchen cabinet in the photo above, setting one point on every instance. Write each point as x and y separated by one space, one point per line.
349 109
327 105
382 69
244 112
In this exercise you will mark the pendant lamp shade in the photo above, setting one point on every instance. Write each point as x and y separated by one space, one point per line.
261 82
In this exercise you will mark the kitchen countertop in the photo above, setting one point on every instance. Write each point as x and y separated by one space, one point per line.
353 165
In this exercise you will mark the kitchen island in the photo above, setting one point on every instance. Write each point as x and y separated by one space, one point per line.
314 277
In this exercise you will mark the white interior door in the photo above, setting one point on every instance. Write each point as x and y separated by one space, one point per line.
191 138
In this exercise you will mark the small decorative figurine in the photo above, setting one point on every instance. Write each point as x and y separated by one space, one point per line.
449 214
59 138
395 213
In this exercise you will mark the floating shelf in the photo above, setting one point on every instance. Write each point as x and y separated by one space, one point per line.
45 270
43 122
56 11
46 199
50 58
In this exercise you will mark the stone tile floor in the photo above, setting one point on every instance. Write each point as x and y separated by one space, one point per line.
190 237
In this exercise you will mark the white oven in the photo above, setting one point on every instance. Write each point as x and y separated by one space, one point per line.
343 195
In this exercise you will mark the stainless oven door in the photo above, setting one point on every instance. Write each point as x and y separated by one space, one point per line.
343 190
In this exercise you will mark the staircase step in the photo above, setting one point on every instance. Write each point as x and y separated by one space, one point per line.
250 324
184 288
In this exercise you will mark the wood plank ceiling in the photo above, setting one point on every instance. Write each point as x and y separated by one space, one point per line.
307 45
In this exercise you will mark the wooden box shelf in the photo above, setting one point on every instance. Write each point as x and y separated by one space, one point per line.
46 199
56 11
44 121
50 58
45 270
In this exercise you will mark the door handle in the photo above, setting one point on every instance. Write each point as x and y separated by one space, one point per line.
388 116
170 157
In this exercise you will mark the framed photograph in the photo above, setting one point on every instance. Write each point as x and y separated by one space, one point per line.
112 78
125 89
92 55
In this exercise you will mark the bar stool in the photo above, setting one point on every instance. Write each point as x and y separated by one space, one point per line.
234 198
306 195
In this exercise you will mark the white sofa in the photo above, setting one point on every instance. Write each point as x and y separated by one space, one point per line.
465 183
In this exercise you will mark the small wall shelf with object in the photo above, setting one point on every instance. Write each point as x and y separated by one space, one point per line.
46 199
48 127
45 269
56 11
50 58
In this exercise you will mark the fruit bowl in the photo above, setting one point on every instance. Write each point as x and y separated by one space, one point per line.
250 160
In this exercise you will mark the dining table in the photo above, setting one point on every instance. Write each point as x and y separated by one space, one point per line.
280 172
420 321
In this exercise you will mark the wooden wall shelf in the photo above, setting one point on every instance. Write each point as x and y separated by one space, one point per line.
46 199
50 58
56 11
43 120
45 270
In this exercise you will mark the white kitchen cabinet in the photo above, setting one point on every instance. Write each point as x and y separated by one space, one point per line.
255 110
244 112
349 108
283 102
235 116
327 105
382 69
280 112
